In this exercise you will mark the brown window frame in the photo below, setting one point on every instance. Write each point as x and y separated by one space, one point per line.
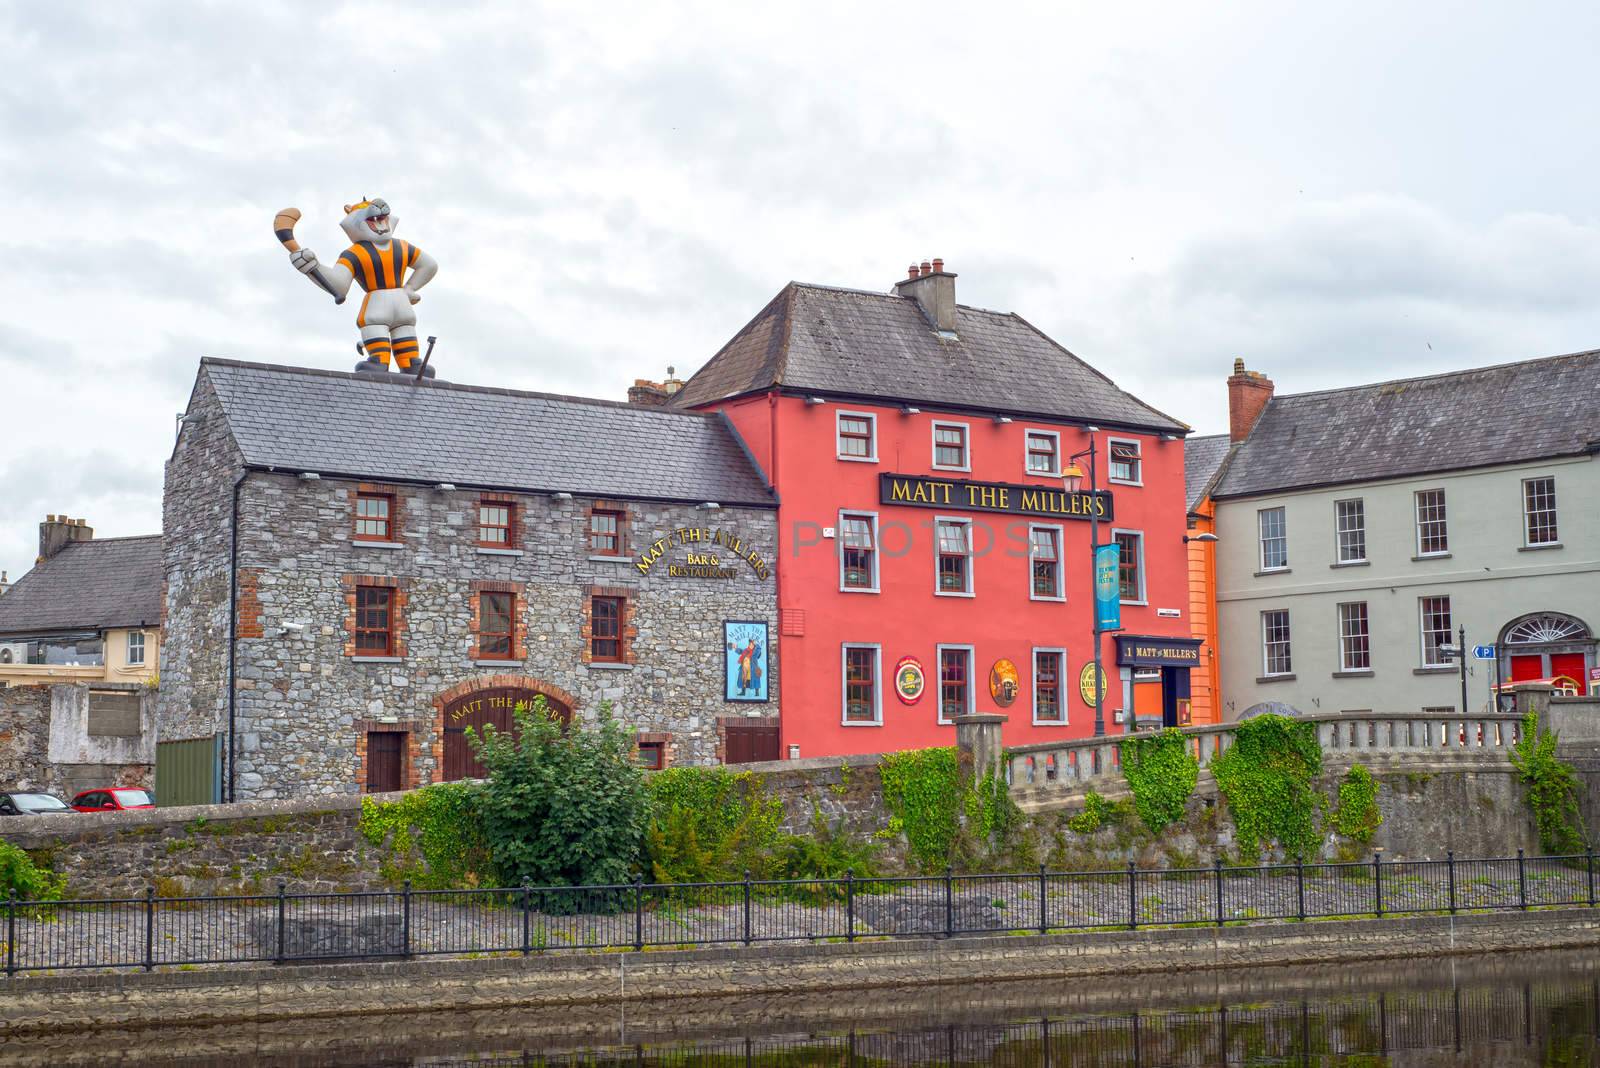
656 763
509 527
1047 685
861 669
869 437
388 607
955 688
356 518
949 562
485 634
858 555
618 637
1051 452
620 518
1045 567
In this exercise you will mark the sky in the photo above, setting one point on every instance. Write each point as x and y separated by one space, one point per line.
1335 193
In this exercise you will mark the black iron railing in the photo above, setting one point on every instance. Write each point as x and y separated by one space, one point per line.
149 932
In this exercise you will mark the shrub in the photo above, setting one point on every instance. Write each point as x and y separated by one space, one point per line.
19 875
1552 789
562 806
710 825
1096 811
434 837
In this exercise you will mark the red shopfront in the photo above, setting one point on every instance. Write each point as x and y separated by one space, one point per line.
944 544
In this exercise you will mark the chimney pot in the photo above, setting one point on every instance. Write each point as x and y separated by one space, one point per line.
1238 365
57 531
935 292
925 268
911 272
938 265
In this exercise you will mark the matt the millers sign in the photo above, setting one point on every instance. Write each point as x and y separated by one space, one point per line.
921 491
1139 651
711 554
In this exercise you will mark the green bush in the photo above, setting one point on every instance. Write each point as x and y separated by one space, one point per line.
710 824
1096 811
1552 789
1357 815
944 823
1267 777
562 806
19 875
433 836
1162 772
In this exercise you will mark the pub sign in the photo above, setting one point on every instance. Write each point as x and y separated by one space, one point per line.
745 660
1136 650
1011 498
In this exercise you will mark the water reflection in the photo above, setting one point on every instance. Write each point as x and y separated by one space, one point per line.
1506 1011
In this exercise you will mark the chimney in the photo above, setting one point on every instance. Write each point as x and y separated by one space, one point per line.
57 532
935 289
647 394
5 584
1248 394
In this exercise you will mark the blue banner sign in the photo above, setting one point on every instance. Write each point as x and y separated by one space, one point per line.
1107 592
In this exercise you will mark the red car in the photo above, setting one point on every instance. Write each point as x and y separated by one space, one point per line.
118 799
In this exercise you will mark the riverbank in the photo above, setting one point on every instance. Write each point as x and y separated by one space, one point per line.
34 1007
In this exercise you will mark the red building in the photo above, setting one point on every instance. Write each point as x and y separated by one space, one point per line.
917 448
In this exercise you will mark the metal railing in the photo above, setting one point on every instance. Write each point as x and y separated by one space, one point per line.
1088 762
149 931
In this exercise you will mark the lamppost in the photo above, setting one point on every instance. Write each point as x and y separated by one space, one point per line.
1072 479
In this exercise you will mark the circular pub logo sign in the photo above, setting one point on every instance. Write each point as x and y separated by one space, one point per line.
1004 682
909 681
1086 682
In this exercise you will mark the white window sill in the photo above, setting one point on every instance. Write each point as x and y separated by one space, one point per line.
609 558
861 723
1276 678
1274 571
1123 482
1536 548
1352 563
1442 669
376 659
1136 604
361 544
1050 723
1042 474
857 459
498 663
484 550
859 589
953 593
606 666
1354 673
1430 556
960 470
1055 600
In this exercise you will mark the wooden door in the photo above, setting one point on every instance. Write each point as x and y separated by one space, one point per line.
748 740
385 761
482 709
1526 667
1571 666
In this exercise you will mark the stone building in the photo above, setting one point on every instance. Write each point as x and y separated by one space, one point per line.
360 569
1360 529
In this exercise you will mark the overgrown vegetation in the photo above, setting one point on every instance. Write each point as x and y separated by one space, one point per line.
1357 815
562 807
20 875
1096 810
945 824
1162 772
1552 789
433 836
710 825
1267 777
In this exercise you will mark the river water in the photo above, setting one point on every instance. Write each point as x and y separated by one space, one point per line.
1540 1009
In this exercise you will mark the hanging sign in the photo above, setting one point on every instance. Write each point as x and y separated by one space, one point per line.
1107 588
1135 649
909 681
1004 682
1086 682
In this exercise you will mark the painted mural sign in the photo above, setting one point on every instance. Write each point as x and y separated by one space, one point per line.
1004 683
745 660
923 491
708 553
909 680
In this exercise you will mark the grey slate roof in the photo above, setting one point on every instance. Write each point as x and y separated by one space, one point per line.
879 345
1532 410
387 429
1202 459
88 585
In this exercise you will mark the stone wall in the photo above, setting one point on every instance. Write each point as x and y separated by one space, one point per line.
45 742
305 702
25 738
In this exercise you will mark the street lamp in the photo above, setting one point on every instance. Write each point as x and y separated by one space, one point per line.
1072 479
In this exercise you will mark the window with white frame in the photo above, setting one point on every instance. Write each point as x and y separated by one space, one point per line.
1130 565
1274 530
953 549
1350 530
857 436
1048 667
950 447
1433 532
858 551
1436 630
1044 452
136 648
1275 658
956 695
1126 466
862 688
1539 511
1355 640
1044 553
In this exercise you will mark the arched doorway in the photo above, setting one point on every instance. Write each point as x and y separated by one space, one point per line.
1548 645
487 702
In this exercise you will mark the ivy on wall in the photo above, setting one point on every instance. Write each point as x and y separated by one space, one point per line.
710 824
1162 772
944 823
433 836
1267 777
1357 815
1552 789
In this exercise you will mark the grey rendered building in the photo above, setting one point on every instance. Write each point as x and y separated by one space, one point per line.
359 569
1360 528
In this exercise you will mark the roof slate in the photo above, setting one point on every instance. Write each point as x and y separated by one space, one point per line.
389 429
88 585
880 345
1202 458
1510 413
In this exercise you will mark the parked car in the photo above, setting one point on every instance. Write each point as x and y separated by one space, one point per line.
115 799
27 803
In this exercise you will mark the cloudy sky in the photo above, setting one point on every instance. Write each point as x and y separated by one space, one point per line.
1338 193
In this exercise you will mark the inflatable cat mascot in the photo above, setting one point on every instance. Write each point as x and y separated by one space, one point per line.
379 264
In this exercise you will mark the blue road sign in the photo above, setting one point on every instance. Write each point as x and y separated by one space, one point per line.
1483 652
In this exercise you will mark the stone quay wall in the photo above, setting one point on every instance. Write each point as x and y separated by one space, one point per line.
38 1006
